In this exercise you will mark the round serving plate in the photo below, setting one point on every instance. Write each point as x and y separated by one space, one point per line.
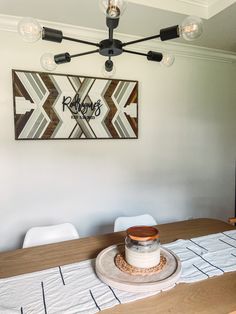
110 274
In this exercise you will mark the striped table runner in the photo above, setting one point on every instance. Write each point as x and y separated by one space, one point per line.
75 288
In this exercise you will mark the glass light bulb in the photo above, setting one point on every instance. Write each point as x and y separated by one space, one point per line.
113 8
108 74
191 28
29 29
167 60
47 62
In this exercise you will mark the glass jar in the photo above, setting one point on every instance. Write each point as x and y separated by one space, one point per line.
142 246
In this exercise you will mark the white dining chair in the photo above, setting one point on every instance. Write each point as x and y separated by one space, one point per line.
123 223
50 234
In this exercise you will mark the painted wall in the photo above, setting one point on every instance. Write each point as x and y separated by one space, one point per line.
181 166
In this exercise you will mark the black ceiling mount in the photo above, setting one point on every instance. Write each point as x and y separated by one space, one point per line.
30 29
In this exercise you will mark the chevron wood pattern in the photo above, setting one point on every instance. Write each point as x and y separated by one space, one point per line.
58 106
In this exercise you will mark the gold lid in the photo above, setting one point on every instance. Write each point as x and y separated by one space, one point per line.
142 233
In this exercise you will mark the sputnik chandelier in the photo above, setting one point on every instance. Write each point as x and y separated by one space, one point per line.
31 31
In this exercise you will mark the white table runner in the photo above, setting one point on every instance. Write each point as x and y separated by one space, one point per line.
75 288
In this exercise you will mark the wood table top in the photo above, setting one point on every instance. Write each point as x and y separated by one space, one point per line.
214 295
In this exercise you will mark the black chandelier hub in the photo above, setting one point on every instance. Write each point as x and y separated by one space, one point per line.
110 47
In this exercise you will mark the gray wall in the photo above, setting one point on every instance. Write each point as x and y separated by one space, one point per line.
181 166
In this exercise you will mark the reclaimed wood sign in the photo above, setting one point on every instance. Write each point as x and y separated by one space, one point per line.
56 106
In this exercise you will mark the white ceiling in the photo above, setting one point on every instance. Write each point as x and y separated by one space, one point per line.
219 30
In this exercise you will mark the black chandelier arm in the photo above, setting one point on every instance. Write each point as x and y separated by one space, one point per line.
135 53
81 41
111 24
140 40
84 53
110 33
55 35
151 55
66 57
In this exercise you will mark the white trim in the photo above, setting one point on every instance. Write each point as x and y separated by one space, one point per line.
188 7
216 6
201 3
202 8
9 23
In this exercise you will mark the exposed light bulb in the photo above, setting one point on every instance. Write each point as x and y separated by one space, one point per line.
113 8
47 62
167 60
29 29
191 28
108 69
113 12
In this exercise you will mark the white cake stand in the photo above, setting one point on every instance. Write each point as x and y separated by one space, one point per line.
110 274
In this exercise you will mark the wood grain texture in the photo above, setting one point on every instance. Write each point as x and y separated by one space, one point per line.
232 220
214 295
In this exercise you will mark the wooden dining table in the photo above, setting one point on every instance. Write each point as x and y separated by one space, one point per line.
214 295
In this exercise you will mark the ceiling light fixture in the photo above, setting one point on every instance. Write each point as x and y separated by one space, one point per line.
31 31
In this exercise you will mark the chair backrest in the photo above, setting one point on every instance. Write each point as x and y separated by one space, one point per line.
50 234
123 223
